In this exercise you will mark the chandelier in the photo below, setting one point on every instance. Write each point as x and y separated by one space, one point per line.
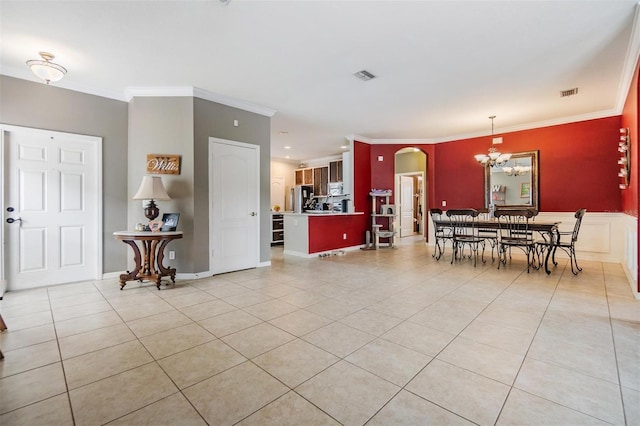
516 170
494 158
45 69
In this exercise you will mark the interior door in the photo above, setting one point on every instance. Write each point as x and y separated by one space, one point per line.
406 206
52 207
277 192
234 197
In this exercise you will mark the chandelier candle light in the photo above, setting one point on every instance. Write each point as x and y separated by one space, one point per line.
494 158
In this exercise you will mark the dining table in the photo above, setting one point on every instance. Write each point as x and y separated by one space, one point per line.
548 230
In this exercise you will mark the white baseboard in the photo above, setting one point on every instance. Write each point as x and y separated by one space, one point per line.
322 253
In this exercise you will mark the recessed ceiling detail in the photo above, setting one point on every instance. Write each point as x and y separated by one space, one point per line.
569 92
364 75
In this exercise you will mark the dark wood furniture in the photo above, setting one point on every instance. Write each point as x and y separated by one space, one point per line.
548 229
149 260
464 224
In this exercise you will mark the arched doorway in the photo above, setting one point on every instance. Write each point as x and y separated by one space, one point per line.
410 168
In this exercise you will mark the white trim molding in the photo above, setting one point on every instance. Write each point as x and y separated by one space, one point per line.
194 92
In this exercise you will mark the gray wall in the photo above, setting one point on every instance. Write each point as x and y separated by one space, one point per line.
164 125
28 104
216 120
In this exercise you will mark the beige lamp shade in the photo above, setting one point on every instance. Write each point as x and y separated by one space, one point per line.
151 188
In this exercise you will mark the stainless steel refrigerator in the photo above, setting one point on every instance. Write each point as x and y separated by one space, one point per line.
301 195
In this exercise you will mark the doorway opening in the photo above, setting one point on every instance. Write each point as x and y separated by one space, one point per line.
410 188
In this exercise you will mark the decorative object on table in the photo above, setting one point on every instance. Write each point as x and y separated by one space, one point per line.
163 164
276 208
45 69
494 158
170 221
155 225
151 189
140 227
624 147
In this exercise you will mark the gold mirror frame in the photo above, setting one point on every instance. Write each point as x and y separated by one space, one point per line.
533 189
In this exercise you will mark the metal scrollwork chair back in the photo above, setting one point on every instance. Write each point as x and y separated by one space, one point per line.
515 232
568 245
465 233
443 233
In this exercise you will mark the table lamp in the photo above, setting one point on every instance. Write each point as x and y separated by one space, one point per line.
151 189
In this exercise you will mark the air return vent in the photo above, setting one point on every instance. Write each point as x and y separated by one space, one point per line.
364 75
570 92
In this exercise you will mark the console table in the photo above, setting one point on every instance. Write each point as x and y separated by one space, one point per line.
149 264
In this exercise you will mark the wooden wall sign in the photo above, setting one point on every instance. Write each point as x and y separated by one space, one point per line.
163 164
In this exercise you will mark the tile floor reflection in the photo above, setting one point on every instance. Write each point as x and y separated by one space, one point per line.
388 337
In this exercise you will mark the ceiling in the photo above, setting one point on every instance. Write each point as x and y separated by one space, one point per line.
442 67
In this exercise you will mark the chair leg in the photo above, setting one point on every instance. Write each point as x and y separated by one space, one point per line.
574 260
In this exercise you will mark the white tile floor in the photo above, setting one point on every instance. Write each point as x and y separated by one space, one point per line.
388 337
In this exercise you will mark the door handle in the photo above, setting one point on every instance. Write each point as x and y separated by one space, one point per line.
253 214
11 220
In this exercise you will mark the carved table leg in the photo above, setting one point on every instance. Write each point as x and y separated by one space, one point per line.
162 270
132 275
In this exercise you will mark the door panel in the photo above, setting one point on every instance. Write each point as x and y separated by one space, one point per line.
53 185
234 201
406 206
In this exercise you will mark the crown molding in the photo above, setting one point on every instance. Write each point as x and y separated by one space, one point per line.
179 91
630 62
518 128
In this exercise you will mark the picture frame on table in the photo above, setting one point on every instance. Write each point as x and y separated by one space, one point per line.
170 221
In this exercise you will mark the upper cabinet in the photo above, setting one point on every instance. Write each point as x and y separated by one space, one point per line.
335 171
320 180
320 177
304 177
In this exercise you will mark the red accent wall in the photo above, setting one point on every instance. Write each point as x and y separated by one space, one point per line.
362 177
578 166
326 232
630 119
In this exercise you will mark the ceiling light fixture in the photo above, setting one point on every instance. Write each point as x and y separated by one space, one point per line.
516 170
495 158
45 69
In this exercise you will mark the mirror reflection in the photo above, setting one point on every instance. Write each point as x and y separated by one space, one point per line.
514 184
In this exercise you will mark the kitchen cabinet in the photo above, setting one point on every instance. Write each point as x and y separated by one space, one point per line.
320 180
304 176
335 171
277 228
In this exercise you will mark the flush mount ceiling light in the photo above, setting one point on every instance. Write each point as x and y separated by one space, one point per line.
494 158
364 75
45 69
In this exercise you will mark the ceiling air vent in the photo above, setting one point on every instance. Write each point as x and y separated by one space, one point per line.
570 92
364 75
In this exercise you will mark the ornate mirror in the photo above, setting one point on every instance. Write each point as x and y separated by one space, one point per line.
514 184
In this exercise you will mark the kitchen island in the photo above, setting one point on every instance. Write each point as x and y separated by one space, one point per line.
318 232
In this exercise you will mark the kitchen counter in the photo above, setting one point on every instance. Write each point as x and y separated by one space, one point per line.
310 234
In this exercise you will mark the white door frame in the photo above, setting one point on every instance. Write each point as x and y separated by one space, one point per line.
422 198
97 166
256 148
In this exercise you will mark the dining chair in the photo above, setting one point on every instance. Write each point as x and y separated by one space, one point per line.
465 233
513 226
490 235
566 244
443 233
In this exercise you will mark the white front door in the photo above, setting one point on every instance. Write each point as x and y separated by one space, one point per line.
234 201
406 206
52 207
